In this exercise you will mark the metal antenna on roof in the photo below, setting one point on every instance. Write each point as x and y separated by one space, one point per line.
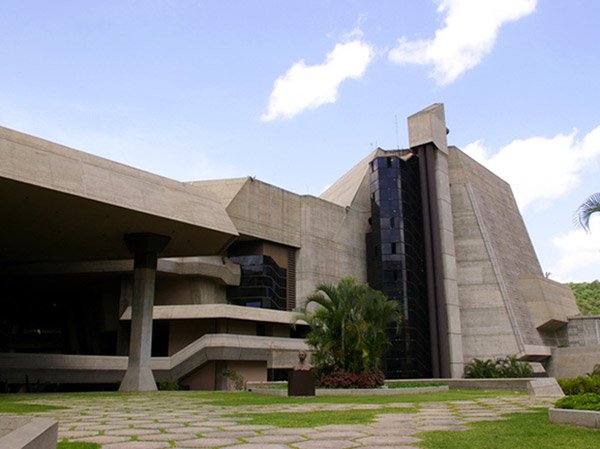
397 138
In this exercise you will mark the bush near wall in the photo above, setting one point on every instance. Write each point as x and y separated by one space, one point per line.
587 401
583 393
499 368
580 385
351 380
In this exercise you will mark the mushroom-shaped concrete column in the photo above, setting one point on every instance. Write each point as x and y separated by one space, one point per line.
145 248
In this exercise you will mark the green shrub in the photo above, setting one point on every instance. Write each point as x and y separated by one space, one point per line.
500 368
169 385
341 379
580 385
596 371
587 401
237 379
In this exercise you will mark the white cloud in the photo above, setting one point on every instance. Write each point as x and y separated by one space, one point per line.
469 32
579 255
310 86
540 169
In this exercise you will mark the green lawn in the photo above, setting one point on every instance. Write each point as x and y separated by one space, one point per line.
319 418
17 404
245 398
519 431
65 445
22 403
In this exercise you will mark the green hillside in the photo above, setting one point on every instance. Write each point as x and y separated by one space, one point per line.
587 295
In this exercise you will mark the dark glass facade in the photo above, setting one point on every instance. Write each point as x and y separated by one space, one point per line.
263 283
396 261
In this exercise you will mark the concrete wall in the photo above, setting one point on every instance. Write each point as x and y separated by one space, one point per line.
266 212
486 326
550 303
184 332
330 237
189 290
573 361
584 331
332 244
507 305
250 371
201 379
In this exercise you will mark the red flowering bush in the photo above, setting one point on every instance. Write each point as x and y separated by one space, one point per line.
351 380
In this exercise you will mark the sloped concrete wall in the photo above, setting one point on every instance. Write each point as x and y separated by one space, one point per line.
486 326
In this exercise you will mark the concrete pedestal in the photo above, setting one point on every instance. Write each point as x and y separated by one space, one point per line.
145 248
301 383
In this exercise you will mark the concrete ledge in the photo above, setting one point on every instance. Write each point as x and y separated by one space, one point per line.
580 418
18 432
534 386
357 391
63 368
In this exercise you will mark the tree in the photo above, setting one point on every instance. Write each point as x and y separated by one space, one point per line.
587 209
349 327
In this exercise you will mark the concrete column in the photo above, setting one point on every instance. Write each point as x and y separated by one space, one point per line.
427 135
145 247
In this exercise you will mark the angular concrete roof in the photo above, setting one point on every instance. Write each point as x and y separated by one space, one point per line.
57 203
225 189
344 190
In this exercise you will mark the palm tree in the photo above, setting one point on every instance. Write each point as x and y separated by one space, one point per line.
349 327
587 209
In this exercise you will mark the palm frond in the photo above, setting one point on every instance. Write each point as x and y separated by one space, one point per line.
584 212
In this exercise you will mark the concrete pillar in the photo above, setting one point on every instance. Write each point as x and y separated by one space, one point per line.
427 136
145 248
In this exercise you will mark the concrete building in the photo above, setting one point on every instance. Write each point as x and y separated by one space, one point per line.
114 276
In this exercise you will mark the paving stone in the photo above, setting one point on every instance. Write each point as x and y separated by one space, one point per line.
275 439
257 446
207 442
388 440
343 427
167 437
345 435
100 427
192 429
136 445
75 433
102 439
131 432
289 431
227 434
248 427
325 444
392 431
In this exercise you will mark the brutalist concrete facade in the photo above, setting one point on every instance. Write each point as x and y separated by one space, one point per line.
239 256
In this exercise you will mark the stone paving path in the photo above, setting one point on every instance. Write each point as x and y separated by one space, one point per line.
164 421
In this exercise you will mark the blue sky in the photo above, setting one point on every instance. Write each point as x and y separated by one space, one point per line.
296 92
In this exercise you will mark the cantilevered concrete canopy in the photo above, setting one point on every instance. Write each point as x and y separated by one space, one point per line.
57 203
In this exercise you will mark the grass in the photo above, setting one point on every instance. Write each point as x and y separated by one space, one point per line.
246 398
284 386
17 404
319 418
519 430
416 384
65 445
